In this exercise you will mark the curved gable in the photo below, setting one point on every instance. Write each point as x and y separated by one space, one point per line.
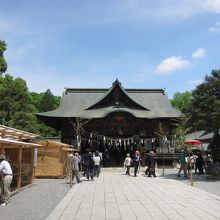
118 98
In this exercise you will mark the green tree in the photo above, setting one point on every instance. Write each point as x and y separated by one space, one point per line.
36 99
204 110
16 109
47 102
181 101
3 64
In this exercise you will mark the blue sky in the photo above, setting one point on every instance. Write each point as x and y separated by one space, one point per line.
169 44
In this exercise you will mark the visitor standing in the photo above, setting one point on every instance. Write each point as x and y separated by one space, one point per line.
89 165
107 157
75 167
96 160
200 163
6 173
183 163
136 162
127 164
150 164
207 161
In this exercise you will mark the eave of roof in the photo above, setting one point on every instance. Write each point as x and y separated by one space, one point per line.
76 101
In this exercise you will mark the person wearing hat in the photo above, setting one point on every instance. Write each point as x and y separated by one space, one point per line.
6 173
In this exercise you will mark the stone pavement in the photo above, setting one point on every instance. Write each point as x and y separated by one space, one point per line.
36 202
199 181
116 196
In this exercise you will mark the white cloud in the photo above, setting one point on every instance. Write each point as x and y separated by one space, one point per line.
199 53
211 5
215 28
172 64
195 82
170 9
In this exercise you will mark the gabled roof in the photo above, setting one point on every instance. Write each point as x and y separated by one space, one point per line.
87 103
118 98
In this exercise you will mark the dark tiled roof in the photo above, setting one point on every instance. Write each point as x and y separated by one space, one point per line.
195 135
208 136
74 103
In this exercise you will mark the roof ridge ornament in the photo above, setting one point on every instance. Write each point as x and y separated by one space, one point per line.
116 82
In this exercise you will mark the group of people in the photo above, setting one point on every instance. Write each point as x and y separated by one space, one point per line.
196 161
136 162
89 164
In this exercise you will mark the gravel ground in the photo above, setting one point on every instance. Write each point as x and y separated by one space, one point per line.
36 202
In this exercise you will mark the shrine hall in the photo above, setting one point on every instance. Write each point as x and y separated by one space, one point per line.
118 119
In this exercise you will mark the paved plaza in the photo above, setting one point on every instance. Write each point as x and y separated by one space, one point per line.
117 196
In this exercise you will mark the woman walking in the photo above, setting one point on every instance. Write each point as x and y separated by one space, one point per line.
127 164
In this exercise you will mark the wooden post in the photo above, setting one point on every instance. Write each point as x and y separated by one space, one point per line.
19 167
191 175
32 165
163 154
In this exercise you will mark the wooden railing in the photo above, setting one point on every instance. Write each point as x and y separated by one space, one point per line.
167 156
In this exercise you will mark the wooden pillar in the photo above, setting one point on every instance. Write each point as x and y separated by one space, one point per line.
1 149
19 167
32 166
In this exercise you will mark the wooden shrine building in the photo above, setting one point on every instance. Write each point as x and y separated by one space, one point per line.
20 149
118 119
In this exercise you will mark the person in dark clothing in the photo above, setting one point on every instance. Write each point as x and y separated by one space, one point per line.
136 162
207 162
106 157
200 163
89 165
150 164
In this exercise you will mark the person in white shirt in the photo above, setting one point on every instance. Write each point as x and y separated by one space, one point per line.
127 164
97 161
6 173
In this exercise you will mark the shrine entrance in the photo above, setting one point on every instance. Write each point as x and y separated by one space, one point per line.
117 134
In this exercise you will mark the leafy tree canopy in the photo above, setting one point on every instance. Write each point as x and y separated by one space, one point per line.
47 103
181 101
18 106
204 110
15 107
36 99
3 64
